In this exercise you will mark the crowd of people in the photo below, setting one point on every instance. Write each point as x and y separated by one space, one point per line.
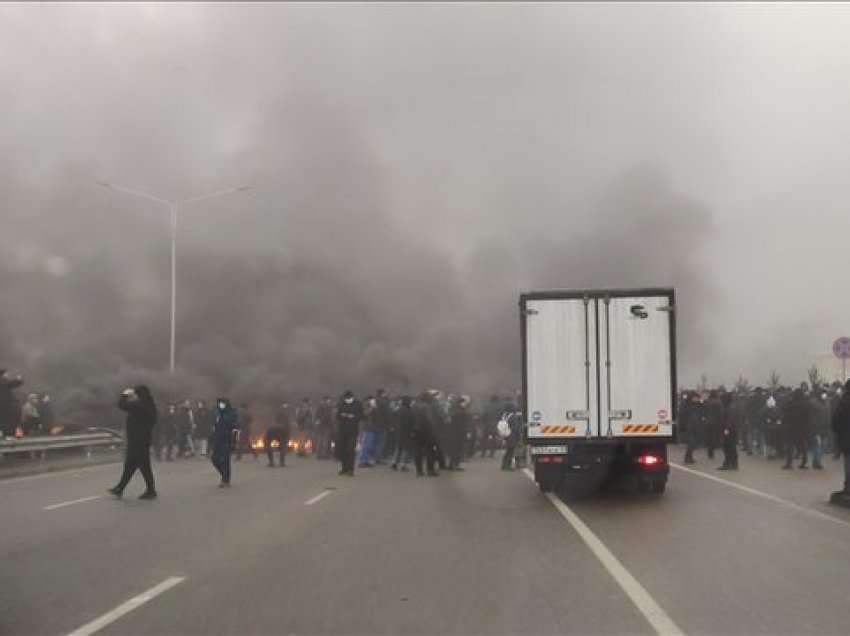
779 423
432 431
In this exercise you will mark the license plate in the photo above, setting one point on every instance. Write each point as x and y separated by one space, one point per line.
548 450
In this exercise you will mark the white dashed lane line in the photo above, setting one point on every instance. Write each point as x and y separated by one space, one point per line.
128 606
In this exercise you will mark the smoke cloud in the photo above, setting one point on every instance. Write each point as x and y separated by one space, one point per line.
412 170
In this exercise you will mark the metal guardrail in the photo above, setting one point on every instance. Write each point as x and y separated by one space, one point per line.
43 443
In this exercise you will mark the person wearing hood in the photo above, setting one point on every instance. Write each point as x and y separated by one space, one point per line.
140 407
841 428
8 403
226 423
349 413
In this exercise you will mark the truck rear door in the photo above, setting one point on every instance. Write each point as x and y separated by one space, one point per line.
636 352
561 368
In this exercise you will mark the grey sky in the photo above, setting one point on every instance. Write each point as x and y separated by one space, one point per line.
445 155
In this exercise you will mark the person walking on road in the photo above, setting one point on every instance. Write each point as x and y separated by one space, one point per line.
349 414
226 422
141 420
841 428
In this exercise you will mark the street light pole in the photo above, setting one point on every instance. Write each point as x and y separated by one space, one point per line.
173 207
173 282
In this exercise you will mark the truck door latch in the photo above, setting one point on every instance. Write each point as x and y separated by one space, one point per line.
620 415
578 415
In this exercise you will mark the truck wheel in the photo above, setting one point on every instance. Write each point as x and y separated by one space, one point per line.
659 486
546 485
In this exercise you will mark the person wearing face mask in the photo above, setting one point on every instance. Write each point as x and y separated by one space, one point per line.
139 405
224 430
349 414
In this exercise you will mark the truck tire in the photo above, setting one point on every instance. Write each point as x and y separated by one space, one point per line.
659 486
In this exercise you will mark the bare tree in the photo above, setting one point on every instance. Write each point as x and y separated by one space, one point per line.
773 381
703 383
815 377
742 385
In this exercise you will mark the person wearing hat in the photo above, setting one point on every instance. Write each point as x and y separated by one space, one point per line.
141 419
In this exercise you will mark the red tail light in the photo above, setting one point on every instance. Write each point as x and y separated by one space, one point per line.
650 460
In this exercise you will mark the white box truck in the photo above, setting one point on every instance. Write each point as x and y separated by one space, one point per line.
599 385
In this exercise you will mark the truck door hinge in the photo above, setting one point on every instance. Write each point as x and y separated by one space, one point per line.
530 312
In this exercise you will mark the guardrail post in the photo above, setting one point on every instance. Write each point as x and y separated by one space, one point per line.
88 452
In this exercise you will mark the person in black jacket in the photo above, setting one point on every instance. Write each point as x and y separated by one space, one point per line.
141 419
404 433
279 431
349 413
9 415
729 431
225 429
425 423
460 420
797 428
841 428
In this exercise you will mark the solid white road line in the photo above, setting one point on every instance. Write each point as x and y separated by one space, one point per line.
317 498
127 607
647 606
71 503
763 495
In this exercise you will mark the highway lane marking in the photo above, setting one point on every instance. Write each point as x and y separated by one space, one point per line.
763 495
647 606
317 498
127 607
72 502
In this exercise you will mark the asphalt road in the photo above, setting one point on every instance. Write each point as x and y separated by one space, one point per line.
302 550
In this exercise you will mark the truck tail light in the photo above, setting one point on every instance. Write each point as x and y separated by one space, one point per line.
648 459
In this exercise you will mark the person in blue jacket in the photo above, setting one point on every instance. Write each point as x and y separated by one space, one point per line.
226 422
